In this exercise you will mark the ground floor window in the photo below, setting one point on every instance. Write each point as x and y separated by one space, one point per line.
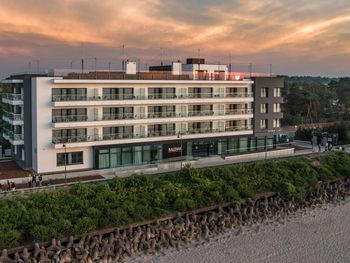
70 158
119 156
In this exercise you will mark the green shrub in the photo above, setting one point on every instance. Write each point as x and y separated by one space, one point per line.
86 207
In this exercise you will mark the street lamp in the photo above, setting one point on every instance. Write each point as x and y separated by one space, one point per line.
65 163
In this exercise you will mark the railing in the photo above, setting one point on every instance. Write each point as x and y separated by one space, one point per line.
150 96
13 116
150 115
118 136
11 96
13 136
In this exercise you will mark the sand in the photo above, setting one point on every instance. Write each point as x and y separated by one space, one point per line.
319 235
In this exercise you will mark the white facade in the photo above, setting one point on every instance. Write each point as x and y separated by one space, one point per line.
45 148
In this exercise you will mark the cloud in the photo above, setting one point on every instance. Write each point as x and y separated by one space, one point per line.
303 31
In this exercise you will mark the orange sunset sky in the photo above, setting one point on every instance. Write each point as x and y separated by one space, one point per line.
300 37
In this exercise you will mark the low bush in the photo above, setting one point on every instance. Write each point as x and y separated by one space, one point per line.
82 207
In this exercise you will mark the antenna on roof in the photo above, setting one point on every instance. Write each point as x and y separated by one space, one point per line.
270 70
199 52
161 56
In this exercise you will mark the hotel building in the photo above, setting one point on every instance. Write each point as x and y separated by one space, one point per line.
106 120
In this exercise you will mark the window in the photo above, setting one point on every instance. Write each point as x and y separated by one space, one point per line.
276 107
263 107
69 115
71 158
264 92
69 135
263 124
277 92
276 123
118 93
68 94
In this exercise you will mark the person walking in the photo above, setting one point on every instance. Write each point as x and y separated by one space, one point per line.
40 180
13 186
36 180
33 179
30 180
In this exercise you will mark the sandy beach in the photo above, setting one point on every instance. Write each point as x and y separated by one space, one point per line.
319 235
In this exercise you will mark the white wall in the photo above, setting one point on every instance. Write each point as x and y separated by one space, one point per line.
44 153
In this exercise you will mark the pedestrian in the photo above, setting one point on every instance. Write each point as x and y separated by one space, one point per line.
29 180
40 180
8 185
13 186
36 180
33 179
0 187
319 147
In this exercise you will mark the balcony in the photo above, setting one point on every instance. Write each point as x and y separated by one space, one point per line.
152 136
13 138
134 119
12 99
12 118
150 99
148 118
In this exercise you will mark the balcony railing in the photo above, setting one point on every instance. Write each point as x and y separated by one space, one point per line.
13 116
150 96
150 115
12 135
119 136
11 96
72 118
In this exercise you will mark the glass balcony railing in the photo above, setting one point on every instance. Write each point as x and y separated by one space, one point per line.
72 118
11 96
13 116
12 135
150 115
119 136
150 96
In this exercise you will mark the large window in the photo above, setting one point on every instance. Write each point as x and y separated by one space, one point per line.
70 158
116 113
118 132
161 93
200 92
118 93
69 135
161 111
68 94
161 129
69 115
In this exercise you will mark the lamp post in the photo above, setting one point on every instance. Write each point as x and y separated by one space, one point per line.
65 163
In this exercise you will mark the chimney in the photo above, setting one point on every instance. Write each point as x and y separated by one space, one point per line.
129 67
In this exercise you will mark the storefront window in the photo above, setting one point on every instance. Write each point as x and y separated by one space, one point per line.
115 157
103 159
126 156
243 144
147 154
137 154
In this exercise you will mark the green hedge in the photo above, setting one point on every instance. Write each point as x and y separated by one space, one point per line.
82 208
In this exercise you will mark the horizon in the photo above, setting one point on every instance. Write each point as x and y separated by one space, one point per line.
304 39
